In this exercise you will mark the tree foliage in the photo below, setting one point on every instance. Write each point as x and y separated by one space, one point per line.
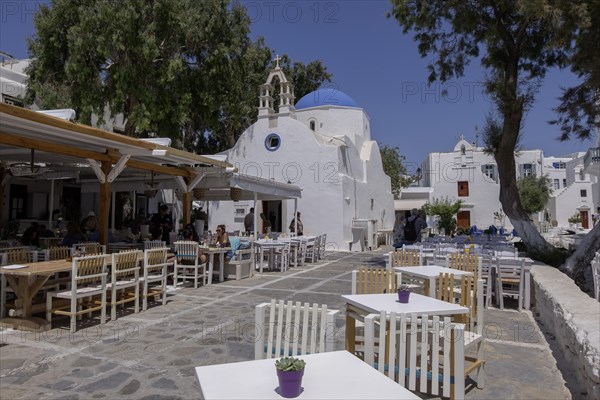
393 167
579 110
534 193
516 42
445 209
184 69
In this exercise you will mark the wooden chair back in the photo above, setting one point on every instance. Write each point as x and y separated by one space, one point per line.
415 349
406 258
155 262
470 296
465 262
88 271
374 280
290 329
154 244
50 242
126 265
5 244
58 253
19 256
90 248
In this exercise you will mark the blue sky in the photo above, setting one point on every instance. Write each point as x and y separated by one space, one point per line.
373 62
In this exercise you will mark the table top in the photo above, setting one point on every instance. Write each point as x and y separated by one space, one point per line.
431 271
40 268
375 303
330 375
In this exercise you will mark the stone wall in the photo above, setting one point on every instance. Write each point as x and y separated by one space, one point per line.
573 318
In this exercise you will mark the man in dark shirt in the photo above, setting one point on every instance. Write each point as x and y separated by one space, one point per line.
163 221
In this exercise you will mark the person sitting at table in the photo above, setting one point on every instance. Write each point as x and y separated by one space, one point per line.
31 235
73 235
44 232
189 233
222 241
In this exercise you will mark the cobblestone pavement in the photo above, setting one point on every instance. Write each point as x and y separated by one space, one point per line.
152 355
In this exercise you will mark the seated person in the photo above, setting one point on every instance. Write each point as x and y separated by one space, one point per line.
222 241
44 232
73 235
189 233
31 235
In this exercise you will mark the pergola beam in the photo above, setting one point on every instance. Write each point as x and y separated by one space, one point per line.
111 156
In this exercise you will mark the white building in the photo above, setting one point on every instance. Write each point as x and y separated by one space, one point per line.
322 144
469 174
577 197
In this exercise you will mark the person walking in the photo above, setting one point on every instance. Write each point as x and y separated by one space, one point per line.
413 227
249 222
298 223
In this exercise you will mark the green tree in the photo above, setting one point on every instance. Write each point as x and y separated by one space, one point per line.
184 69
393 167
445 209
534 193
517 42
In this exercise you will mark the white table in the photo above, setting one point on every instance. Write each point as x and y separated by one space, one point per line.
431 273
330 375
270 245
360 305
211 251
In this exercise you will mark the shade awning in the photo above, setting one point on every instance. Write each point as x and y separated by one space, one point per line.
409 204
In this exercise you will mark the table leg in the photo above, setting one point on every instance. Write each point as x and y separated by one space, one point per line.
24 292
527 290
350 334
262 257
431 283
222 267
211 266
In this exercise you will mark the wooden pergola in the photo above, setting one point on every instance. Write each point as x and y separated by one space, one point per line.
27 135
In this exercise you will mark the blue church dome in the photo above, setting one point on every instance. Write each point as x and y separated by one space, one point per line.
325 96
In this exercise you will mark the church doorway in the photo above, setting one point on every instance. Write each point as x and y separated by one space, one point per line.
272 215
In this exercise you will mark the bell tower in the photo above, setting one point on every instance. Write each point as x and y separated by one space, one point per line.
266 106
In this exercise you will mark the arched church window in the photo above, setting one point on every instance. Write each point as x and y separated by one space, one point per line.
463 150
313 125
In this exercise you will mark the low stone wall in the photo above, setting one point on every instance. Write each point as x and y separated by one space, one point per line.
573 318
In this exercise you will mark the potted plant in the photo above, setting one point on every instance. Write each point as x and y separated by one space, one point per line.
575 219
403 293
290 371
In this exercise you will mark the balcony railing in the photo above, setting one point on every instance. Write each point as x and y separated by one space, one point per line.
591 157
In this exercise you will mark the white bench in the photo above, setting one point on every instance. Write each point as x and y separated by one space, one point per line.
242 266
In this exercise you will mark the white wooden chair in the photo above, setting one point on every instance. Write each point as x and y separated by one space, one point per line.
282 257
596 275
14 255
88 278
323 246
187 265
154 244
88 248
510 280
417 349
405 258
57 253
311 250
465 262
154 281
301 252
125 274
291 329
470 296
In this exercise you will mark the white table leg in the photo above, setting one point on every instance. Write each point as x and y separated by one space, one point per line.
432 288
527 290
211 263
262 257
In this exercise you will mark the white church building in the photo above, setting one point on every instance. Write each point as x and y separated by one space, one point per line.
321 144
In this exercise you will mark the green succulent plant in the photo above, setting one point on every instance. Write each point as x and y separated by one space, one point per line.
290 364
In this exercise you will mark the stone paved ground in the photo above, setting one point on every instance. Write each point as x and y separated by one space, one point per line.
152 355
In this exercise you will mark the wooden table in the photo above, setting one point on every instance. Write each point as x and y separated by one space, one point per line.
211 251
360 305
330 375
431 273
26 282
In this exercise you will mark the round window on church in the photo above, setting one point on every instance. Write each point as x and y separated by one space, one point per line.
272 142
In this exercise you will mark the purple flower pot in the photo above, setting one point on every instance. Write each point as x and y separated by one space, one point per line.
403 296
290 383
